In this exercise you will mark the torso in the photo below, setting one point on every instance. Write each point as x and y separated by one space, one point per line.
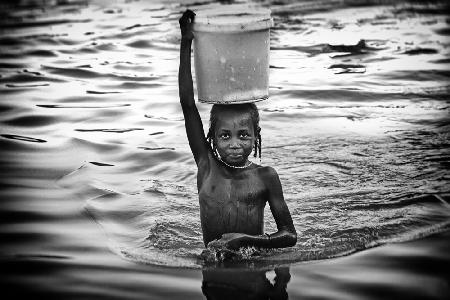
231 200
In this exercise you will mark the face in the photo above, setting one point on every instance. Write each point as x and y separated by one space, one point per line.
234 137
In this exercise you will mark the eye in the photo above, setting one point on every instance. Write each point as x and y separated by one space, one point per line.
244 135
224 136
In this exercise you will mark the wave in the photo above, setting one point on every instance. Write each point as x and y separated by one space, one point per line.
160 225
263 258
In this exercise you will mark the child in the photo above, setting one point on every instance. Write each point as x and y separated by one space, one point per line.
232 190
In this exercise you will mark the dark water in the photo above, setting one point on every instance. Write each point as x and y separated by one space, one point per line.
98 195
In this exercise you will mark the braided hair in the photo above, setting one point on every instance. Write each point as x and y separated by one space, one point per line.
250 108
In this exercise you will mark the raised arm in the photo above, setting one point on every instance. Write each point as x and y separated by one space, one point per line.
193 122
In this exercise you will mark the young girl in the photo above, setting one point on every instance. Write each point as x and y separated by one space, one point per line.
232 190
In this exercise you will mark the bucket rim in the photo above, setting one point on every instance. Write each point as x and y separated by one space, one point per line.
233 101
232 18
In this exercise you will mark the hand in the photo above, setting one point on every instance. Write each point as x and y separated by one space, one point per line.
229 240
186 21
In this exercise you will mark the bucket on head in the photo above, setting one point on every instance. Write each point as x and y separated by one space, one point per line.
231 53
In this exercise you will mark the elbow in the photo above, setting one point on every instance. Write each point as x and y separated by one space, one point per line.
288 238
291 238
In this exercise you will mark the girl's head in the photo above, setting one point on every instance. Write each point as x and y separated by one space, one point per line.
234 132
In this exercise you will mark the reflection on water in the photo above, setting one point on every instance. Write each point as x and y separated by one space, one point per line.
94 155
245 284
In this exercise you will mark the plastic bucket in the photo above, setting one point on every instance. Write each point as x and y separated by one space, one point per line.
231 53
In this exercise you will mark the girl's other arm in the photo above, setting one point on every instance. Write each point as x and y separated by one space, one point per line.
193 122
286 235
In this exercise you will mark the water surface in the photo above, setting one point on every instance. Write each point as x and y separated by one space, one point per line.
98 182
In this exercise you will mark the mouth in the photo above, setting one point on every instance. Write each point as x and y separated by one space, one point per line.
235 156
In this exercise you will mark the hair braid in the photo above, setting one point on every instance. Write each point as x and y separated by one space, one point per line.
260 143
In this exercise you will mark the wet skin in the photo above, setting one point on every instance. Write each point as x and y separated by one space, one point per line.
231 200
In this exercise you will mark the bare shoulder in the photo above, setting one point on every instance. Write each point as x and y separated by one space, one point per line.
268 174
267 171
272 183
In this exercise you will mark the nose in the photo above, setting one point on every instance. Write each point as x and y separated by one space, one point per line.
234 143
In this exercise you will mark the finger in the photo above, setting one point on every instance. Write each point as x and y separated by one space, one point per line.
190 14
186 19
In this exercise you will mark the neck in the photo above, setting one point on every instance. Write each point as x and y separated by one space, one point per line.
246 164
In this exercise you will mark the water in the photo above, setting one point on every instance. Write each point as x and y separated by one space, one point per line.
98 183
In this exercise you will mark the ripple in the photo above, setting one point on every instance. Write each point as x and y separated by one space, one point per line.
105 46
7 24
10 85
23 138
418 51
139 85
13 41
7 65
81 105
115 130
347 68
101 92
156 148
6 108
18 78
73 72
90 74
437 9
357 48
403 201
101 164
157 133
32 121
132 27
443 31
163 118
141 44
31 72
441 61
39 256
43 53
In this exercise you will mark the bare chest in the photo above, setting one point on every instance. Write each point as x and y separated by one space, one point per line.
218 191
